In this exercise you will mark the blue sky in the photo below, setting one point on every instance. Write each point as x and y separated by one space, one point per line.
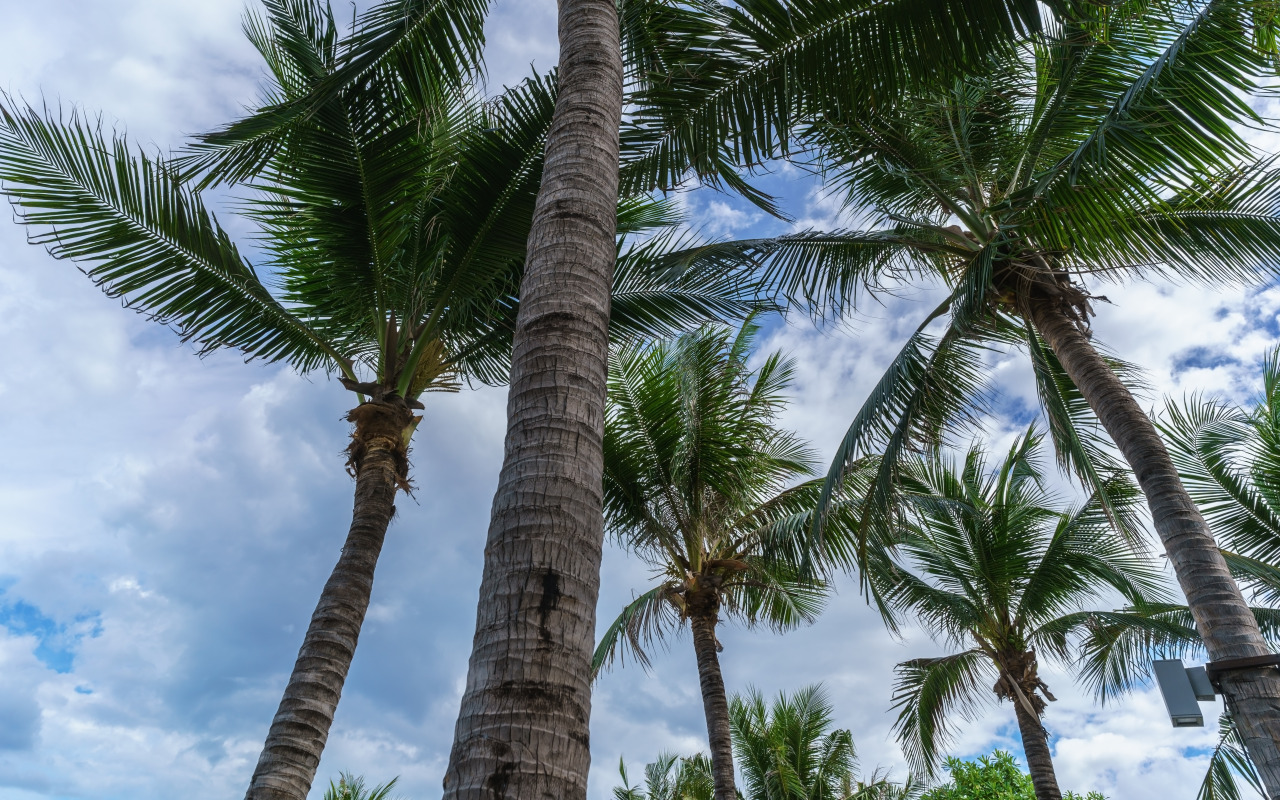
168 521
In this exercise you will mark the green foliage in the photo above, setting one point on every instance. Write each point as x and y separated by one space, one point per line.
1108 147
696 475
392 204
993 777
785 750
351 787
992 567
671 777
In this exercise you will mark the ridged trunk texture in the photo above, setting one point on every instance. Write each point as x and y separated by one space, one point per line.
296 739
715 704
1222 616
1035 743
523 729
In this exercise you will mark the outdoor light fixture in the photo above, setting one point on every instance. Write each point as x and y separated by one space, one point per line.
1183 687
1180 692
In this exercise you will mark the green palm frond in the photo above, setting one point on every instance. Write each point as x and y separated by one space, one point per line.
927 692
418 49
1228 761
1210 444
643 621
733 99
352 787
143 236
933 383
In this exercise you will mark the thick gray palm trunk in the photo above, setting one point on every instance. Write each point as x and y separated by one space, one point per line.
715 704
1035 743
522 730
287 766
1222 617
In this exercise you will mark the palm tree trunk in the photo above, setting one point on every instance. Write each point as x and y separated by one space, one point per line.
1035 743
523 727
1222 617
296 739
714 704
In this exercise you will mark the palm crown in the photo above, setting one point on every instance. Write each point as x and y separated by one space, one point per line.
991 567
695 484
1105 148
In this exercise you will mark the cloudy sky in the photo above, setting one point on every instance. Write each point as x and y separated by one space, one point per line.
166 522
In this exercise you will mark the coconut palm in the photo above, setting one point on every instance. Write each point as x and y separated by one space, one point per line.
1228 458
393 226
1107 149
992 566
707 98
670 777
695 482
788 751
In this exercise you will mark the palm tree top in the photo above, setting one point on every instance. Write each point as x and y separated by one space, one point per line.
993 565
692 445
703 484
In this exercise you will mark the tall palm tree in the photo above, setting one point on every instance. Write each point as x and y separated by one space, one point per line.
1229 459
393 223
990 566
695 482
1107 149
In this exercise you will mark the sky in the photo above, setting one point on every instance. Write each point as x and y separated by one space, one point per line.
166 521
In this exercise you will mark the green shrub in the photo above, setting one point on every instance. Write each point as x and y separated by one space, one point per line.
993 777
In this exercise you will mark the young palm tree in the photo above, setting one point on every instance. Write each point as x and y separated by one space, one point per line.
695 482
1106 149
671 777
990 566
351 787
394 225
787 751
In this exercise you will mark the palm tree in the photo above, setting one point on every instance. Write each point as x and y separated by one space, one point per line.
671 777
393 223
710 85
1106 149
787 751
695 482
991 567
1229 459
351 787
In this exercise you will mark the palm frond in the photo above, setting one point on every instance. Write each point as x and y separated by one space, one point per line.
927 692
143 236
644 620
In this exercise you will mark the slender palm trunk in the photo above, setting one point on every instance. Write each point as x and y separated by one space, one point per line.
1035 743
714 704
296 739
1222 616
522 730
